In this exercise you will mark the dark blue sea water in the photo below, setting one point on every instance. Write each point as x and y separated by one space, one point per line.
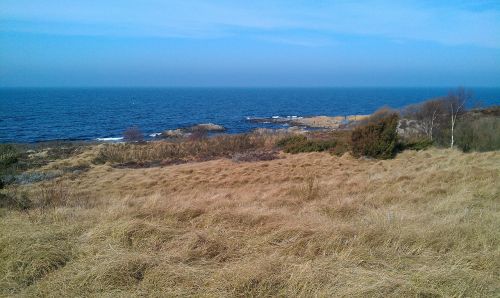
31 115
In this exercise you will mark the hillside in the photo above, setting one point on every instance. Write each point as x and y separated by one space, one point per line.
314 224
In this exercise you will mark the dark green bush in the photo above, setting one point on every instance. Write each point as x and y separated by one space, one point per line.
478 134
417 144
300 144
8 155
377 139
291 140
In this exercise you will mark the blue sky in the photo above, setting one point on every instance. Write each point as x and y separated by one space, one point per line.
249 43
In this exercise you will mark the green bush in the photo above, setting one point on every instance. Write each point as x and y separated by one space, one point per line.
417 144
300 144
480 134
377 139
8 155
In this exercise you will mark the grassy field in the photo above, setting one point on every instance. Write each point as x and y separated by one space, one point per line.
425 224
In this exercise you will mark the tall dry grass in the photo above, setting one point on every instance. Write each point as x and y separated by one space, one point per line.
424 224
195 149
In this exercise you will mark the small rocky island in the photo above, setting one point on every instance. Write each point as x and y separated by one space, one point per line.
195 129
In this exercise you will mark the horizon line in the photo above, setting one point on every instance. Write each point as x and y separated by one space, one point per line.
244 87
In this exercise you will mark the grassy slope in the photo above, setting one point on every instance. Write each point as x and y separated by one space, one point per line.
425 223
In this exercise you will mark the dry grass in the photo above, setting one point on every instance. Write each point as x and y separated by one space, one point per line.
194 149
424 224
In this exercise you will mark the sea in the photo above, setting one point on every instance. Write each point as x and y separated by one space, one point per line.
29 115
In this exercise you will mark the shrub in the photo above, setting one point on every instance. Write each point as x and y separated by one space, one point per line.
480 134
258 155
53 194
133 134
15 199
8 155
9 158
198 134
378 115
300 144
416 144
377 139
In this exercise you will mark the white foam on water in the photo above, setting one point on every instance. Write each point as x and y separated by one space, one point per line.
156 134
110 139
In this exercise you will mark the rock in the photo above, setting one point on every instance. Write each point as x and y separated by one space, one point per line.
409 128
173 133
188 131
331 122
296 130
207 127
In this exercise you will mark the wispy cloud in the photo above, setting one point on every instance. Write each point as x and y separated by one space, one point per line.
456 23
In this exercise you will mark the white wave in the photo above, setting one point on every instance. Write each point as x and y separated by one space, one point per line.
156 134
110 139
276 117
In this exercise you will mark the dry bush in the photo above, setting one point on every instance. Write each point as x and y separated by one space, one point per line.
14 198
133 134
429 115
380 114
198 134
52 194
252 156
437 118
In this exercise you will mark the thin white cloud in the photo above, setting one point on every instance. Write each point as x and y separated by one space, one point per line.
402 20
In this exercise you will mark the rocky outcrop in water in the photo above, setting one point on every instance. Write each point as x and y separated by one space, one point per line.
331 122
187 131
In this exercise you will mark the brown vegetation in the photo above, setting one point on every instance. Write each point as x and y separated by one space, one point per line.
313 224
133 134
438 117
193 149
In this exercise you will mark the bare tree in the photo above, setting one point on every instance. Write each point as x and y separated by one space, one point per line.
427 114
133 134
431 110
455 102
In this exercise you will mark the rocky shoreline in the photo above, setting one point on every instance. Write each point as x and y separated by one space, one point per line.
327 122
